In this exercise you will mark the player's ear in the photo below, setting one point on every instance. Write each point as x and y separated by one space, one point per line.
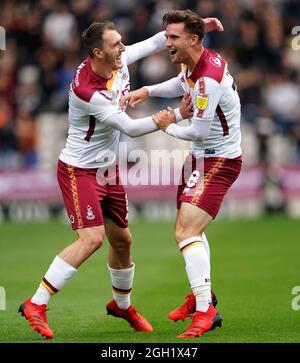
194 39
98 53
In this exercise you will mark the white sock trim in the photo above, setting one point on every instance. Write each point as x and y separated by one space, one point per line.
197 263
189 240
63 265
123 278
203 297
41 296
122 281
59 273
121 271
206 244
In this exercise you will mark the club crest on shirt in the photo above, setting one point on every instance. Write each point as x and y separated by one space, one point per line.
89 213
215 61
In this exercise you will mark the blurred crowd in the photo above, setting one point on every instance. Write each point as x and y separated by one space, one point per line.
43 48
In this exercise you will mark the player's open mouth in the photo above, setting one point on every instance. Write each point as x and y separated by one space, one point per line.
173 51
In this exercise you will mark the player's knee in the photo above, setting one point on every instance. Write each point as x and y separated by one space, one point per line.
93 238
179 235
123 243
93 243
182 234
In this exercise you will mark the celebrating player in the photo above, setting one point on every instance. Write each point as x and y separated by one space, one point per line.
95 206
216 153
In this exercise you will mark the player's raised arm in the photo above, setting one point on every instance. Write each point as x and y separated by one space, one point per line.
168 89
145 48
211 24
157 42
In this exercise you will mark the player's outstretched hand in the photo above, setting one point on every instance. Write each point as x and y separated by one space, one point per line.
164 118
186 106
211 24
134 98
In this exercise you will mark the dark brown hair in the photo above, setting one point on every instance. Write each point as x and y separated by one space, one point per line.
93 36
192 21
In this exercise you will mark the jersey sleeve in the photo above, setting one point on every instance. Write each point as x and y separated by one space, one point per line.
131 127
101 106
207 94
135 127
111 115
145 48
168 89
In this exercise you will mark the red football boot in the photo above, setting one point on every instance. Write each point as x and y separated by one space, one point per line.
136 321
202 322
36 315
189 307
185 310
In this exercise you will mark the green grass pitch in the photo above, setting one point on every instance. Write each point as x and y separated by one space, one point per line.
255 265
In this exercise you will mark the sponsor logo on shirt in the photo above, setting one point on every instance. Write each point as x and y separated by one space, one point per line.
124 75
76 80
201 103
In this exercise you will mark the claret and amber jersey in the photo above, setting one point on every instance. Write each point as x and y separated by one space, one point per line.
95 118
215 125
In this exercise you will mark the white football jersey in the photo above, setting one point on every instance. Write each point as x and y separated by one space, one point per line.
92 99
93 137
215 125
215 98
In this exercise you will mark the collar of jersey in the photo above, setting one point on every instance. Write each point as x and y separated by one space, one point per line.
195 74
